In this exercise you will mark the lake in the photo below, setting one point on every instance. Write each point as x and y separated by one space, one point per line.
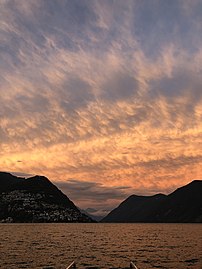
54 246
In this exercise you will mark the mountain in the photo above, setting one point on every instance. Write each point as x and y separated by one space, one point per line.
35 199
182 205
88 213
135 209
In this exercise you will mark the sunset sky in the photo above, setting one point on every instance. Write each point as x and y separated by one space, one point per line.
103 97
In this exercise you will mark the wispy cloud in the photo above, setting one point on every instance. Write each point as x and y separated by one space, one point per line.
102 91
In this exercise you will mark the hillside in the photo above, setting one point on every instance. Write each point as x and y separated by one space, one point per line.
183 205
35 199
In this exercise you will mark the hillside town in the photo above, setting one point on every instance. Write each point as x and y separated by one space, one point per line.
23 206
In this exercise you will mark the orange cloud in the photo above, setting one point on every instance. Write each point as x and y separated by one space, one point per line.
96 108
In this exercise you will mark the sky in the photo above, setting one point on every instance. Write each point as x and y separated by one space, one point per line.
104 97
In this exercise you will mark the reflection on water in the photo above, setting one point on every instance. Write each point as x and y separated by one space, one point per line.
54 246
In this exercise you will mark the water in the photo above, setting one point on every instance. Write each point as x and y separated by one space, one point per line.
54 246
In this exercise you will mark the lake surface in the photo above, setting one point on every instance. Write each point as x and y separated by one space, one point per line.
54 246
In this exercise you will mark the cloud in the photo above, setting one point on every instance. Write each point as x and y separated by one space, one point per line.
94 193
76 94
119 86
93 190
171 163
105 92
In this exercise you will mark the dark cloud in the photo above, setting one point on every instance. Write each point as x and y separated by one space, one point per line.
76 94
183 82
101 199
92 191
119 86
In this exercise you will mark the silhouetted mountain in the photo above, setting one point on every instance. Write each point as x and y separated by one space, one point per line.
35 199
183 205
7 181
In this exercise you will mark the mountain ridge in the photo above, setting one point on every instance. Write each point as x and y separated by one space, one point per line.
182 205
35 199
